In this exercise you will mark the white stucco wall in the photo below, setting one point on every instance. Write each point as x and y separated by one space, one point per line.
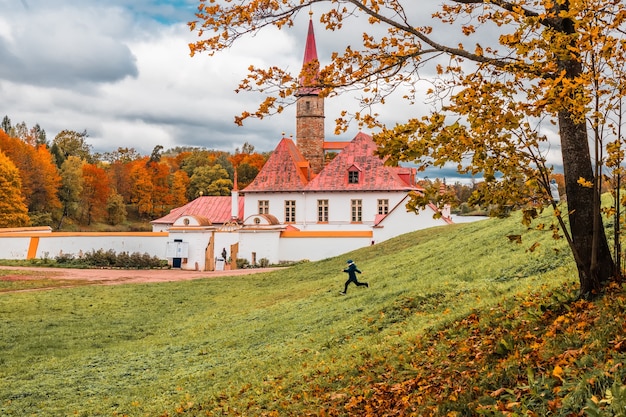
14 247
160 227
223 240
76 244
339 207
400 222
276 204
265 243
315 249
50 245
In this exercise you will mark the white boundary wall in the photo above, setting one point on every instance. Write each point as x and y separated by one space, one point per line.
49 245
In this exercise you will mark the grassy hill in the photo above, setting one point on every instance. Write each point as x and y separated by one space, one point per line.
458 321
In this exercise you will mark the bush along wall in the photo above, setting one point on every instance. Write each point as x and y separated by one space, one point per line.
111 259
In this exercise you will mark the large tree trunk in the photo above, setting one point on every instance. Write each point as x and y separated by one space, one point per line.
583 204
594 261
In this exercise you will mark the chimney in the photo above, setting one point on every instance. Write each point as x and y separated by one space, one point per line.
234 204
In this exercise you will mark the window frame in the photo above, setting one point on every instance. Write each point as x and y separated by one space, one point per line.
322 211
383 206
290 211
356 211
264 206
353 176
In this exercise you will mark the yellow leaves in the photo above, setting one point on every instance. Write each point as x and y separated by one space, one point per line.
585 183
510 39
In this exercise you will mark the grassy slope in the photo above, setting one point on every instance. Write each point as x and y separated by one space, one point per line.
440 331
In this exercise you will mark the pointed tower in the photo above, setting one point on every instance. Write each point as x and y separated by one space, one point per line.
310 107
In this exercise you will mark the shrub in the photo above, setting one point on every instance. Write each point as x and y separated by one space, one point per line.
123 260
242 263
64 258
109 259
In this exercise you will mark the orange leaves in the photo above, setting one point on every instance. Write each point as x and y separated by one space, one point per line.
96 191
13 210
468 29
38 173
558 373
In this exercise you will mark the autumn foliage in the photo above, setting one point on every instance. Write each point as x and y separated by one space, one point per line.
516 359
64 184
13 210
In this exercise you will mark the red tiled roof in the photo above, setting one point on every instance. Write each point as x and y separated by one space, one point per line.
373 174
285 170
328 145
217 209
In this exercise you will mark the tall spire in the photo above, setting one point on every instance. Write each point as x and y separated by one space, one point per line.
310 107
310 50
310 63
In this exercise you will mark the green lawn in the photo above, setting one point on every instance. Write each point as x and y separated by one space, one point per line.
280 342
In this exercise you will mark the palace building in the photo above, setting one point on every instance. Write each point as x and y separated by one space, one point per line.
303 204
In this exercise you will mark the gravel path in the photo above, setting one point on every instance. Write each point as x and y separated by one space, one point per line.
122 276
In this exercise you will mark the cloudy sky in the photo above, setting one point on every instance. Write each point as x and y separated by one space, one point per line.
121 70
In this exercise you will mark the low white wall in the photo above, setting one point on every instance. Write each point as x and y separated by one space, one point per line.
270 244
50 245
14 247
150 243
264 243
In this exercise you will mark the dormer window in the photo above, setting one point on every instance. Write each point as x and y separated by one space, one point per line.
353 176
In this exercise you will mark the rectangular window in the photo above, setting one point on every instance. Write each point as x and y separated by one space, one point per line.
290 211
383 206
353 177
322 211
355 207
264 207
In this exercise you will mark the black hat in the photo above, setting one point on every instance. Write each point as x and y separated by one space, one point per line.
349 261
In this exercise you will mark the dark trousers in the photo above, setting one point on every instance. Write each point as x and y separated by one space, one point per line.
355 281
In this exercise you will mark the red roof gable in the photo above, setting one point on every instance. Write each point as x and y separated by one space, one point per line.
285 170
373 175
217 209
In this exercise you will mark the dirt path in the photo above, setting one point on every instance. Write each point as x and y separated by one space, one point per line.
120 276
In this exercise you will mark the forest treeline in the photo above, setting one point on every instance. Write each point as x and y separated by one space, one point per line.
63 184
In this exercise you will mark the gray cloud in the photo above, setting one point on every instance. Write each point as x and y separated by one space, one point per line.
65 46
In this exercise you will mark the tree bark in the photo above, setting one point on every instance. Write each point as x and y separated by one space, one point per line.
595 264
580 202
